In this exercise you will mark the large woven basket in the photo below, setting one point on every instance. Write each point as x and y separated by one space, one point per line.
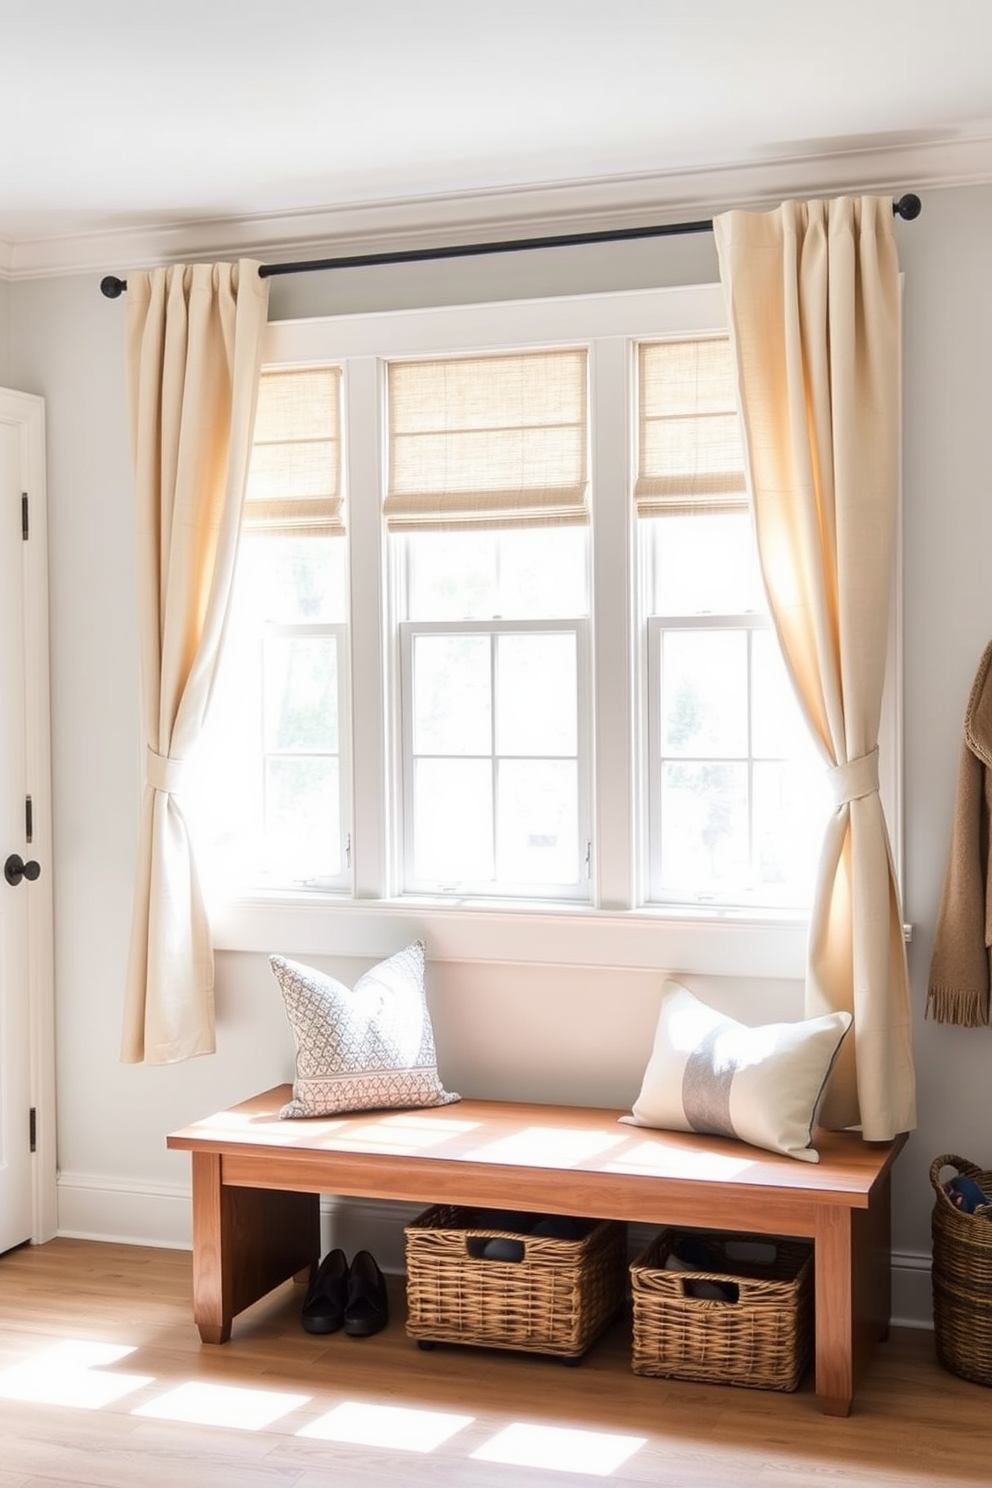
962 1276
555 1299
760 1336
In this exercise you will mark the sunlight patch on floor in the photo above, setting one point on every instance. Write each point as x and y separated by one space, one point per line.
595 1452
70 1373
222 1405
405 1429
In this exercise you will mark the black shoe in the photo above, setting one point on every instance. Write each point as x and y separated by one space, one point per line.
367 1308
323 1306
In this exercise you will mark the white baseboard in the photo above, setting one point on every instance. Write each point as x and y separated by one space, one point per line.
912 1301
97 1208
92 1207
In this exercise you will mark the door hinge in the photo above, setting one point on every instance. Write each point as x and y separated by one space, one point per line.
24 515
28 819
33 1128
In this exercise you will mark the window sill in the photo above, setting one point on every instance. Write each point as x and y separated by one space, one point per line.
705 941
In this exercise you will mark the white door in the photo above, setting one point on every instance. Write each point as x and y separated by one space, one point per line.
27 1144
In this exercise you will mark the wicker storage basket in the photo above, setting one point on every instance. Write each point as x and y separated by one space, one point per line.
762 1339
556 1299
962 1277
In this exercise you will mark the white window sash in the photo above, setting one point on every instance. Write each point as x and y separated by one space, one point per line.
341 882
578 890
657 628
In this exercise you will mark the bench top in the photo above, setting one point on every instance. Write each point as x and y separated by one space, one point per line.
474 1151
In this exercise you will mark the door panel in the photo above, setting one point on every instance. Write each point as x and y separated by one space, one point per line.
27 1179
15 1098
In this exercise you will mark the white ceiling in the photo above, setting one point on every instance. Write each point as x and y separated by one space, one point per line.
128 116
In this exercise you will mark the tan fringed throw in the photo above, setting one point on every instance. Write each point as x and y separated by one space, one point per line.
958 991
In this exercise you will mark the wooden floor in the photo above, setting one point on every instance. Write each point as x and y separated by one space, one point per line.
101 1371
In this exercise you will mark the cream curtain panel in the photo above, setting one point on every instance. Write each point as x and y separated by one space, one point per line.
194 337
812 292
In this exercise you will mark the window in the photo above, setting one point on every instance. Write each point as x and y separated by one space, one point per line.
273 769
737 792
487 509
499 637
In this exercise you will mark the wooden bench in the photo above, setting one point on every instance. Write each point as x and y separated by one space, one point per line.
257 1181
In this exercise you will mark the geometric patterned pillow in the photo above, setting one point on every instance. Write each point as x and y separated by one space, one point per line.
709 1073
364 1048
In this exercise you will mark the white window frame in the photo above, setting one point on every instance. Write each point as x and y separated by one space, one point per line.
705 939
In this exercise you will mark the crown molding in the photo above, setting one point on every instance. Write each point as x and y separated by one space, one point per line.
548 208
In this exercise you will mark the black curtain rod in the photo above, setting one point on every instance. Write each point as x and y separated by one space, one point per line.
907 207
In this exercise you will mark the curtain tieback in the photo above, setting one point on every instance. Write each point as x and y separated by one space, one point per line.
163 773
854 778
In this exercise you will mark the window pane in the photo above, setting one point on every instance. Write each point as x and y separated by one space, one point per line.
540 573
791 803
543 573
703 564
778 729
452 698
704 693
453 833
283 580
536 694
302 820
451 575
301 693
538 833
704 827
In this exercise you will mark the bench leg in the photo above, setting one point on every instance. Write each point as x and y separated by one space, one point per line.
245 1242
852 1263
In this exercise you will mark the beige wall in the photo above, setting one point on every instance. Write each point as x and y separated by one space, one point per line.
565 1036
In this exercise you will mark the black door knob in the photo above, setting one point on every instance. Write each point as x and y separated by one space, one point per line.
15 869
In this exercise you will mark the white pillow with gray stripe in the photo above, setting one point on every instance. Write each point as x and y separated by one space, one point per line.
364 1048
709 1073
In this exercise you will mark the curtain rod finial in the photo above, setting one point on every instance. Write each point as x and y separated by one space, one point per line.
112 287
908 207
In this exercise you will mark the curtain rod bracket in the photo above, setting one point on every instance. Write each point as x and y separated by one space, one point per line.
907 207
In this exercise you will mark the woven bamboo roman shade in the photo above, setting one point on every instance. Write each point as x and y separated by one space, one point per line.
294 478
690 454
494 441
